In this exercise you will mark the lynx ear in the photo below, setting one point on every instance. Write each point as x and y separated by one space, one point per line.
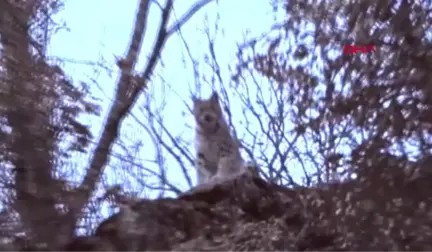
214 97
194 98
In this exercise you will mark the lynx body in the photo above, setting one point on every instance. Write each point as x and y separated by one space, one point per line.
217 151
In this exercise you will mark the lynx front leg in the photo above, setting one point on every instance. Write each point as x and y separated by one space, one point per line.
229 167
203 169
202 176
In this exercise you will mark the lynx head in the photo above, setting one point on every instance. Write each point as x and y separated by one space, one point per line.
207 113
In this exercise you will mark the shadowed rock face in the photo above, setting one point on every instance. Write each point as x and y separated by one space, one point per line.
246 213
89 243
199 219
32 249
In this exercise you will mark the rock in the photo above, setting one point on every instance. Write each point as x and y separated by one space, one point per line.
247 213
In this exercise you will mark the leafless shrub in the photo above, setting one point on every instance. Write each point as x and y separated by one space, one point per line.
366 116
257 113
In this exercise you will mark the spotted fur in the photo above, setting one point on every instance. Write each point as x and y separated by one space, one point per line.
217 151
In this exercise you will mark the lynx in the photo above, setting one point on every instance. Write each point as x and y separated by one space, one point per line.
217 152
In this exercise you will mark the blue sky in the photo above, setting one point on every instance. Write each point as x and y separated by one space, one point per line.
99 30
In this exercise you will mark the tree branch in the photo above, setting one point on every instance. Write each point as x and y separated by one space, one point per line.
129 88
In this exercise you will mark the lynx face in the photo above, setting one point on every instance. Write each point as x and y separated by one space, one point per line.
207 113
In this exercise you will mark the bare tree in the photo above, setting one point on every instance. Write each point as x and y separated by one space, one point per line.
256 110
39 108
308 108
367 108
365 115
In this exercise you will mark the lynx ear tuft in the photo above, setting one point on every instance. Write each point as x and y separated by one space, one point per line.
214 97
194 98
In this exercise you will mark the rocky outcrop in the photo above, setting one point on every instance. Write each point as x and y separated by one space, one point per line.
247 213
